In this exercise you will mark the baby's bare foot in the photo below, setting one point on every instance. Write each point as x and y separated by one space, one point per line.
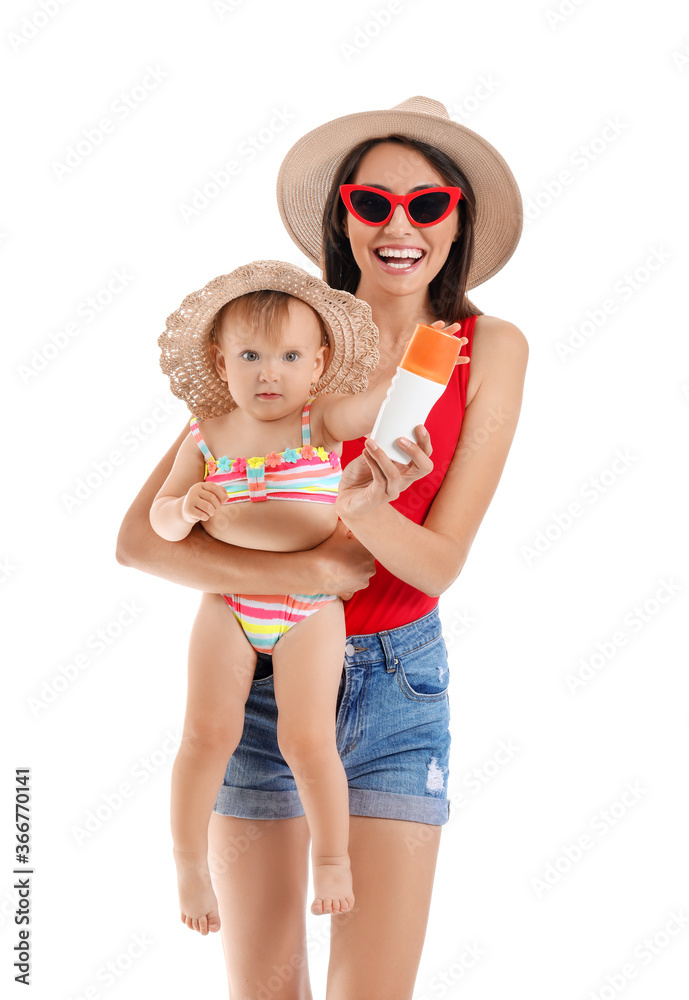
197 901
332 883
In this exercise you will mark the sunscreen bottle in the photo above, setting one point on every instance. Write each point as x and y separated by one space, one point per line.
420 380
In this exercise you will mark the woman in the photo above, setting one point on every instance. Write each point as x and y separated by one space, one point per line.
418 523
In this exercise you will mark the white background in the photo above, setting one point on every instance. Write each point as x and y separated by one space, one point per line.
540 87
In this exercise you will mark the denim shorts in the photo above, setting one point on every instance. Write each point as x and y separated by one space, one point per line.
393 737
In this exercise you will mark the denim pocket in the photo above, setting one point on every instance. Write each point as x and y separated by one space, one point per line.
423 674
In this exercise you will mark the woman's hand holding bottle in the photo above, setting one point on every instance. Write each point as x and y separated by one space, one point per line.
374 478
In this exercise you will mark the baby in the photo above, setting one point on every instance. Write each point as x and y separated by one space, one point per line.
251 354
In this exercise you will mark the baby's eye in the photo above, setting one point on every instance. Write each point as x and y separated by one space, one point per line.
292 355
250 356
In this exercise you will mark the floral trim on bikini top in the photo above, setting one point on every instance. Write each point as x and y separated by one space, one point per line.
306 473
274 460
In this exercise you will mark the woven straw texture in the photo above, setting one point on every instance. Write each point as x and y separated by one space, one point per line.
309 168
185 342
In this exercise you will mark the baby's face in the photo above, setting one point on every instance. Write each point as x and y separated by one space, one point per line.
269 376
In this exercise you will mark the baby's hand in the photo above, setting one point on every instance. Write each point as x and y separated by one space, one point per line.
202 501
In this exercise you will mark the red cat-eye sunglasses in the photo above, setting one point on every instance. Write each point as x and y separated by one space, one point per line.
375 206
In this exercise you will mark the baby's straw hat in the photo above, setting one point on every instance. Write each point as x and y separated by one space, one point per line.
185 342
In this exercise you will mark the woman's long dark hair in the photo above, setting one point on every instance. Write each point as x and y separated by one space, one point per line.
448 289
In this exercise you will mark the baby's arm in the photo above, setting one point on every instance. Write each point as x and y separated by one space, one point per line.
348 417
184 498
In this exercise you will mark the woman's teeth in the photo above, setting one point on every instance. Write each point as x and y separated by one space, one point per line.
411 256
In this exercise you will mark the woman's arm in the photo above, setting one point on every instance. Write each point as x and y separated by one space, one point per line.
431 556
340 565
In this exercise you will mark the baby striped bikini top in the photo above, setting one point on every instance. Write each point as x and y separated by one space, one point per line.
306 473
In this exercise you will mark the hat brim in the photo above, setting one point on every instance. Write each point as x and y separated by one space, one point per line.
309 168
185 342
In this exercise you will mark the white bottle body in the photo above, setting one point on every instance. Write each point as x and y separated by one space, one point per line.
409 400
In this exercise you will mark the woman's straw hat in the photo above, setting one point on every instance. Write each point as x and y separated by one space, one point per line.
185 342
309 168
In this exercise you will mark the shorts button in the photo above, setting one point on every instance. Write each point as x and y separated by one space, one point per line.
349 649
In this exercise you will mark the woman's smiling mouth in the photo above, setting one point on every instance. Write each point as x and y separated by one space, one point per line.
399 258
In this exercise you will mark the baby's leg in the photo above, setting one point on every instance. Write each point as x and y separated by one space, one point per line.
307 665
220 671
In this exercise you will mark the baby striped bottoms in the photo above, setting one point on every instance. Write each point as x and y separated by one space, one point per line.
266 618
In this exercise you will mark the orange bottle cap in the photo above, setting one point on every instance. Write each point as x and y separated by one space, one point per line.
431 354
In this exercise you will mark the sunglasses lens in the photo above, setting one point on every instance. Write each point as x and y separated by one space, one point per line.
370 206
429 207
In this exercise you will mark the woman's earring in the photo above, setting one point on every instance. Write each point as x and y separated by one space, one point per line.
313 389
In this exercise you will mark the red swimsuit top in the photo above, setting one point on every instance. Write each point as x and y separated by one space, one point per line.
387 602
